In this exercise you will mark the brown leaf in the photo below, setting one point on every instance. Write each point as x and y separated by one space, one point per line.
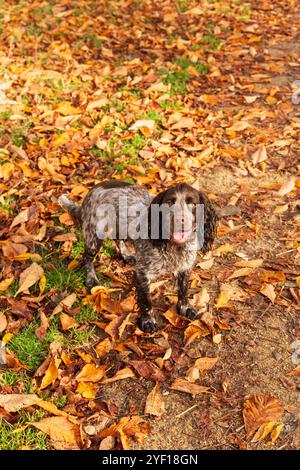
132 426
148 371
259 410
19 308
185 386
63 433
29 277
184 123
260 155
205 363
155 404
3 322
22 217
66 302
41 330
287 187
117 326
240 273
269 291
15 402
107 443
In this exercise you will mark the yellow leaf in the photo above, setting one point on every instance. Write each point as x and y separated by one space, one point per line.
7 337
86 357
65 108
6 170
254 263
51 373
6 283
224 249
61 139
91 373
222 300
241 273
275 433
42 284
259 410
87 389
263 431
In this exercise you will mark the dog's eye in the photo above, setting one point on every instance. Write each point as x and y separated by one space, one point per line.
171 202
190 202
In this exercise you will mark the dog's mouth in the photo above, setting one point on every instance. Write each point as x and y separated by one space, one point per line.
181 237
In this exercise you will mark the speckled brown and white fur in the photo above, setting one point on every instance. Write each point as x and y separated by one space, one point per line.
152 257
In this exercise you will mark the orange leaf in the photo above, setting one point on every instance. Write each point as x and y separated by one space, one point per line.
91 373
67 322
3 322
259 410
103 348
6 283
125 373
51 373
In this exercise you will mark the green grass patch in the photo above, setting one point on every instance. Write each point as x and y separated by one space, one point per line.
11 378
8 204
28 348
108 248
59 276
77 249
168 105
13 437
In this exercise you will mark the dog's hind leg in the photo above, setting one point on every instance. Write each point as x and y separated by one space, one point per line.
125 253
92 246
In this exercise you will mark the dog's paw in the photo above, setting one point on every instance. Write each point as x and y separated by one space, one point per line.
148 324
91 280
187 311
130 259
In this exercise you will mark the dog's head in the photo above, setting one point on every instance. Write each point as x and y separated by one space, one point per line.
180 214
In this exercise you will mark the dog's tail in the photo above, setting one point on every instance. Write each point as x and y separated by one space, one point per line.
73 209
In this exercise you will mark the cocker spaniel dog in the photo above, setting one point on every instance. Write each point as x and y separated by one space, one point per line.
167 232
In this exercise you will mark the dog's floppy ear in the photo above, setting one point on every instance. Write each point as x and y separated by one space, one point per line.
210 222
153 220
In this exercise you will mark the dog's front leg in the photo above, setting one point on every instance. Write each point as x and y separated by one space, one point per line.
183 307
147 321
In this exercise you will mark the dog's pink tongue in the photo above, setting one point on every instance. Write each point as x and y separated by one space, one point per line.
181 237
